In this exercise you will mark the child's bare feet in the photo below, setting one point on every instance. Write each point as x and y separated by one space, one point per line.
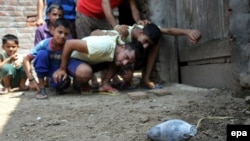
26 88
4 91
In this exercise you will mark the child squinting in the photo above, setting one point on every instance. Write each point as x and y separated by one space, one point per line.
12 73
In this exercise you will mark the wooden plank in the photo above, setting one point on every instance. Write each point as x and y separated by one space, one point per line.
208 76
211 49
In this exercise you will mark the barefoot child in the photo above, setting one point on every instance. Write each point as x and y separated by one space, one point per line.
11 66
47 58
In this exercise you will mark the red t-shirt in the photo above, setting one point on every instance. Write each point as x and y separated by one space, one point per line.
93 8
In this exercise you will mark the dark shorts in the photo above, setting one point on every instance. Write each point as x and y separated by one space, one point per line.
74 63
16 74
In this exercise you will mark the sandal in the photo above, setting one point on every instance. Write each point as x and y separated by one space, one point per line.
152 85
108 91
41 94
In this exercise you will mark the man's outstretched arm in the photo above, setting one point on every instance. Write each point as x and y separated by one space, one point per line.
192 34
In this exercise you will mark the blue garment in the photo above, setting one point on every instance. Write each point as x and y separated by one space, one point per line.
68 7
47 60
54 55
74 63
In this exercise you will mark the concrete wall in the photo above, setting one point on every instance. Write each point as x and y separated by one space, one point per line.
240 37
17 17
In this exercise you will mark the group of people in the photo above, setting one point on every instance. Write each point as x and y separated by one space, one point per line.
79 38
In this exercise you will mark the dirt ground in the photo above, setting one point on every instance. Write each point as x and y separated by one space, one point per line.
98 117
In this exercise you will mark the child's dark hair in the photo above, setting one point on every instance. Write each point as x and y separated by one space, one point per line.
62 22
153 32
138 48
54 6
10 37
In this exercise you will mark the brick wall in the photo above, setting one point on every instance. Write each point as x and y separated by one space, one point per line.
17 17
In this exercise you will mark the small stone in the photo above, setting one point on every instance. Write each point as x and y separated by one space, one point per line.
247 99
144 119
138 95
247 122
38 118
29 124
53 123
247 112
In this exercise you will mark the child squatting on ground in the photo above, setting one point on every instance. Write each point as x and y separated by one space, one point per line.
12 73
47 59
53 12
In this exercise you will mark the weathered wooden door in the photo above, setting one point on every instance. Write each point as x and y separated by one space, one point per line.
206 64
